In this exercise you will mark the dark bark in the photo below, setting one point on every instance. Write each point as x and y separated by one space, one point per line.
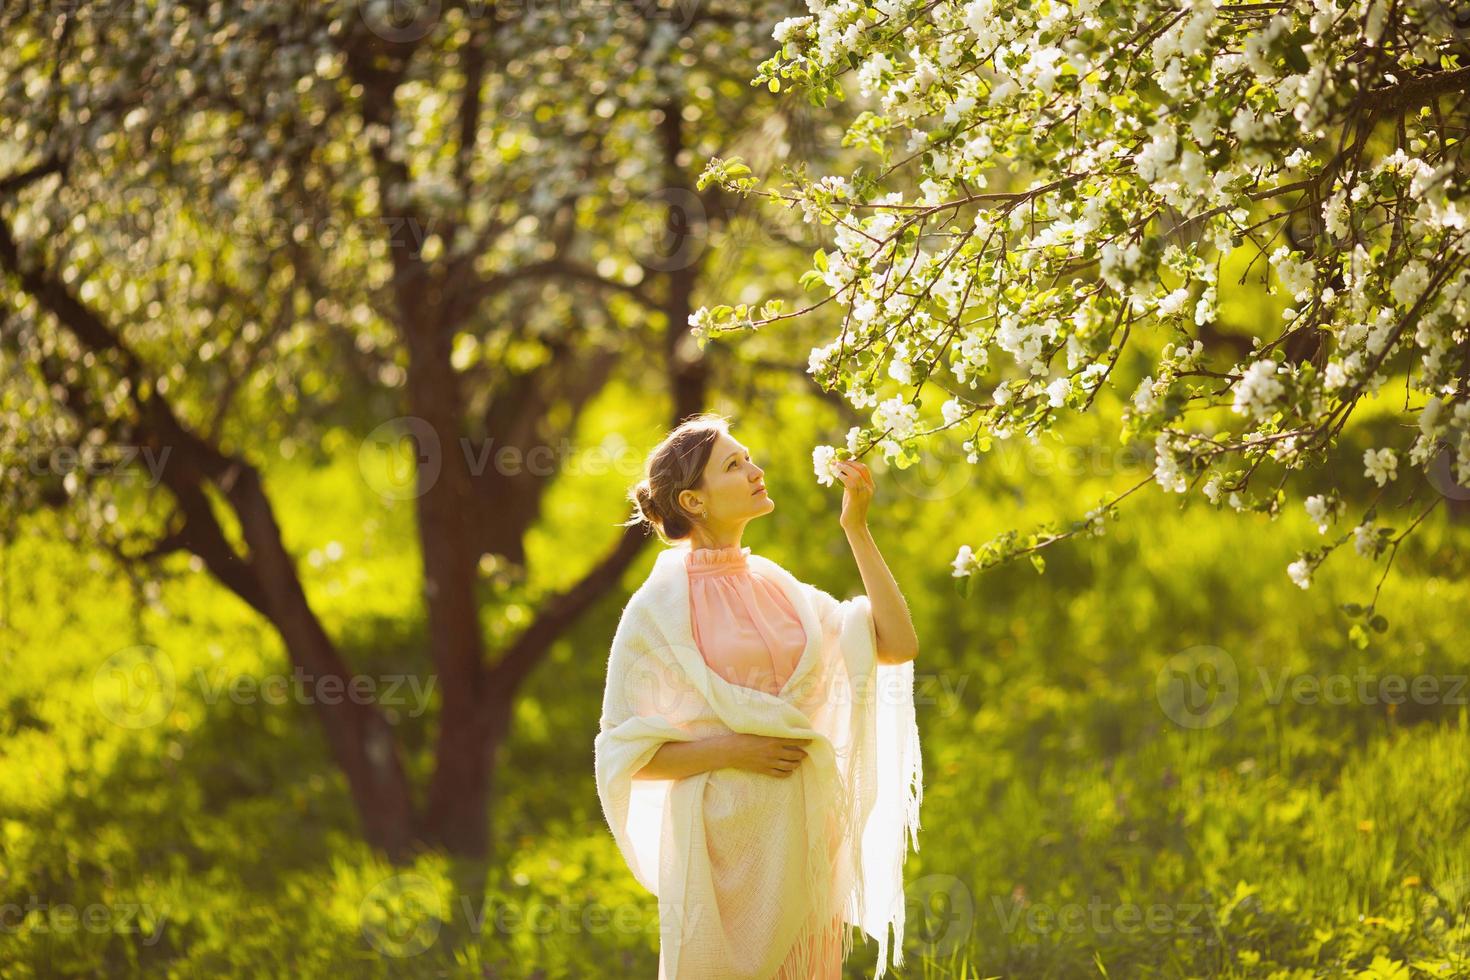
360 738
456 815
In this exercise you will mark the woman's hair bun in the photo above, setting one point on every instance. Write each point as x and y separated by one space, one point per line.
676 464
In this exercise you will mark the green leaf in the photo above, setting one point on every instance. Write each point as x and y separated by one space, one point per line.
1040 564
1378 623
1295 56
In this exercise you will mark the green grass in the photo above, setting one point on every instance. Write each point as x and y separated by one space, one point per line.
1070 828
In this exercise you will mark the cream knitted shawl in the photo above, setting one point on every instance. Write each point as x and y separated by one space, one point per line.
746 866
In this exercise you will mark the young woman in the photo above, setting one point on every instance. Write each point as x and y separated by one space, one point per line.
758 759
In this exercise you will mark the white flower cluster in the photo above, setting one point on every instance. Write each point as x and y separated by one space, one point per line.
900 368
789 28
1167 471
1337 211
1025 339
1381 465
901 418
824 459
1410 283
1297 274
1258 45
870 75
1258 389
1453 428
971 354
1117 261
964 562
1366 540
1323 509
949 88
1186 36
1300 572
1176 171
821 357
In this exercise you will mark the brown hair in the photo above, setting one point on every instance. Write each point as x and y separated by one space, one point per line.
676 464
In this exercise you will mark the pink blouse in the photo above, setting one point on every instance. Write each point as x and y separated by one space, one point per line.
744 626
749 634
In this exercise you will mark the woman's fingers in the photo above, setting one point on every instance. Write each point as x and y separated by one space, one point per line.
790 753
855 472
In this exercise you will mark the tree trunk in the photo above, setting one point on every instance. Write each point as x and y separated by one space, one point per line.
456 816
361 740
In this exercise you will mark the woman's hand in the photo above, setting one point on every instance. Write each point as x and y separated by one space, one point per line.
766 753
858 480
735 750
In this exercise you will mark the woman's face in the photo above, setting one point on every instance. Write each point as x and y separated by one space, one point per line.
733 488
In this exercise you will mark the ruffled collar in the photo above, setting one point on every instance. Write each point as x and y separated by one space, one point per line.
730 560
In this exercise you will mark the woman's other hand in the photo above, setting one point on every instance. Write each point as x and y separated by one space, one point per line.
772 755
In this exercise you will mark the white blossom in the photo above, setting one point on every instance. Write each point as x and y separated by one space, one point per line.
787 29
1297 273
1300 572
963 562
1167 473
1410 283
823 460
898 415
1257 389
1321 510
1144 399
1381 465
899 368
1365 539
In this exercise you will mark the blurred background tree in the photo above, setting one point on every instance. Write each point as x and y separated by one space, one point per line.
229 226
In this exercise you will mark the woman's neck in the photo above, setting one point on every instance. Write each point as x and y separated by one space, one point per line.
701 538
